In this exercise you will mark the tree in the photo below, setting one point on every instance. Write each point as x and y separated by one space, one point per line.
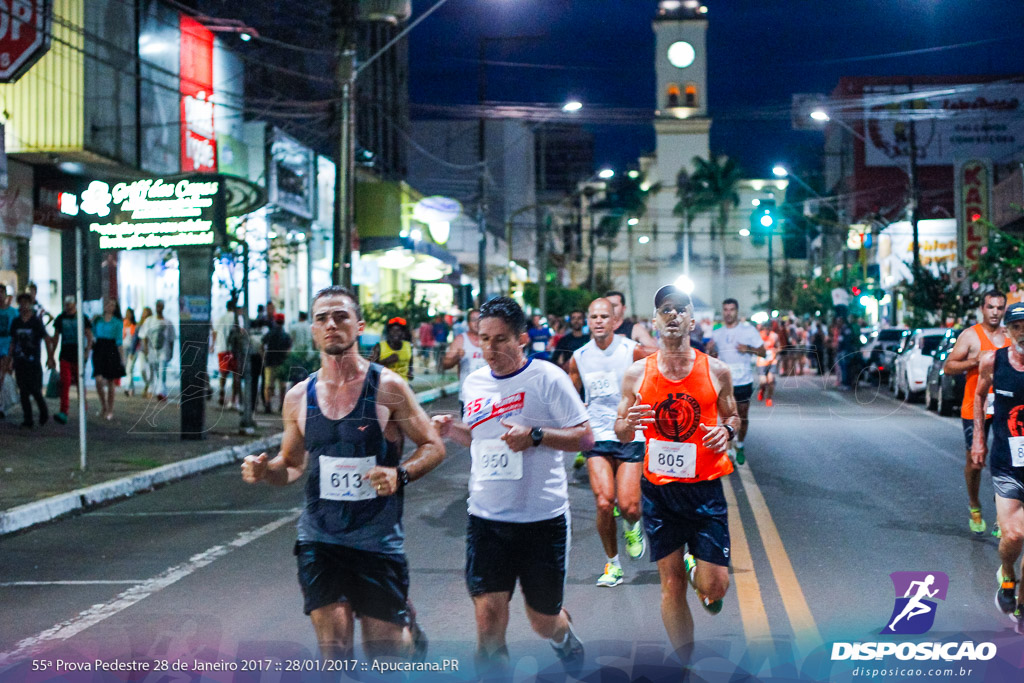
625 198
716 189
686 192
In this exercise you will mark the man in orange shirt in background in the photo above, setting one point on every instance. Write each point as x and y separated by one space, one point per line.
971 345
682 399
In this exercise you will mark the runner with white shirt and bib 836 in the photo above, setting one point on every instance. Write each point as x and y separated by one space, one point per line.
614 468
345 424
737 343
520 416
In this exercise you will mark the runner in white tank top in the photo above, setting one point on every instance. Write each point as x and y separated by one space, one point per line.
614 468
465 351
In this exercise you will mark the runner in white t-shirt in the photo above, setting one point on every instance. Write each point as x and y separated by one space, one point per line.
519 419
597 369
736 343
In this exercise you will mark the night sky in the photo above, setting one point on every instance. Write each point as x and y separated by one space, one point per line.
760 53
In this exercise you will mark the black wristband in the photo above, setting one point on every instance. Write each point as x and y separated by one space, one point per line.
730 431
403 477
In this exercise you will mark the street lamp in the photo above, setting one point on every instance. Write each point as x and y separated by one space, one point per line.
572 105
606 174
821 115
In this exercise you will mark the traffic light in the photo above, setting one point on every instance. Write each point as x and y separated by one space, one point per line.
763 221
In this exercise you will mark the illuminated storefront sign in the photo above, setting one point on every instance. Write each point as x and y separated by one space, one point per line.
973 186
153 213
198 138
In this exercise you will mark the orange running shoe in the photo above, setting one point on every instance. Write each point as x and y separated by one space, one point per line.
769 403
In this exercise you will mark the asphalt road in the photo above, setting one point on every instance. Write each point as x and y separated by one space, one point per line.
840 490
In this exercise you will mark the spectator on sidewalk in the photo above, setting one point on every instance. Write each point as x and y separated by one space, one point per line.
303 359
395 350
227 364
37 308
258 328
65 330
107 356
144 373
130 344
276 344
158 339
441 332
27 335
7 315
425 332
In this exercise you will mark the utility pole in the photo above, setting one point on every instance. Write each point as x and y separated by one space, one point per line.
541 234
345 78
915 199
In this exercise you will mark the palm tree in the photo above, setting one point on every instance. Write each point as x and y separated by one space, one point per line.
625 198
684 209
716 188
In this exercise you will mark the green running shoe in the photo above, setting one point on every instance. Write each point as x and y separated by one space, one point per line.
691 568
740 457
977 523
636 545
615 511
1006 598
579 462
996 531
612 576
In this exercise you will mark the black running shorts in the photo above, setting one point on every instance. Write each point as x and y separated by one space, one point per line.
626 452
692 516
968 426
743 392
535 553
374 584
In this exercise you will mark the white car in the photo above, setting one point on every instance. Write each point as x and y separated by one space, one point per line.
910 371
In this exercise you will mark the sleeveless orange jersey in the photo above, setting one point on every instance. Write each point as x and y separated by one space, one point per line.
971 384
679 408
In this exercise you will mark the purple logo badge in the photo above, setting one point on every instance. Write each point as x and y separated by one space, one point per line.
916 592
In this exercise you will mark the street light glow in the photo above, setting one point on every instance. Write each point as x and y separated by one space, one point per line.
684 283
633 221
767 221
606 173
634 174
572 105
744 233
246 37
820 115
780 171
755 202
643 239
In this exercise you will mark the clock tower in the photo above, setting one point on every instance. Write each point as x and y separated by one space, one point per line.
681 122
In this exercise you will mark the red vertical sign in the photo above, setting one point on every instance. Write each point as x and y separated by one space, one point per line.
198 139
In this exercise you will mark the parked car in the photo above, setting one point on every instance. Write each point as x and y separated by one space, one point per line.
880 351
889 364
911 366
943 393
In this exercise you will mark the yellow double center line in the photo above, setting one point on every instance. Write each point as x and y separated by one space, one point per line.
748 591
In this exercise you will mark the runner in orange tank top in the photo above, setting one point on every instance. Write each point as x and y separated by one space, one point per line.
971 345
683 401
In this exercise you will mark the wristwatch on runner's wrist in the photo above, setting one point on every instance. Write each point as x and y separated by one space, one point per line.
731 431
403 477
537 434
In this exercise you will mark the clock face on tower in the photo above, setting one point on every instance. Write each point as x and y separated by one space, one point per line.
681 54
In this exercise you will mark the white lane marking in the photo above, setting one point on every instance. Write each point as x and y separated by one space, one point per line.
139 592
179 513
99 582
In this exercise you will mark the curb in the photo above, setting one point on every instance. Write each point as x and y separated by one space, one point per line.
48 509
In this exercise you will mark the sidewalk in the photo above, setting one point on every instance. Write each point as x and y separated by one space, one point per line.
138 449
